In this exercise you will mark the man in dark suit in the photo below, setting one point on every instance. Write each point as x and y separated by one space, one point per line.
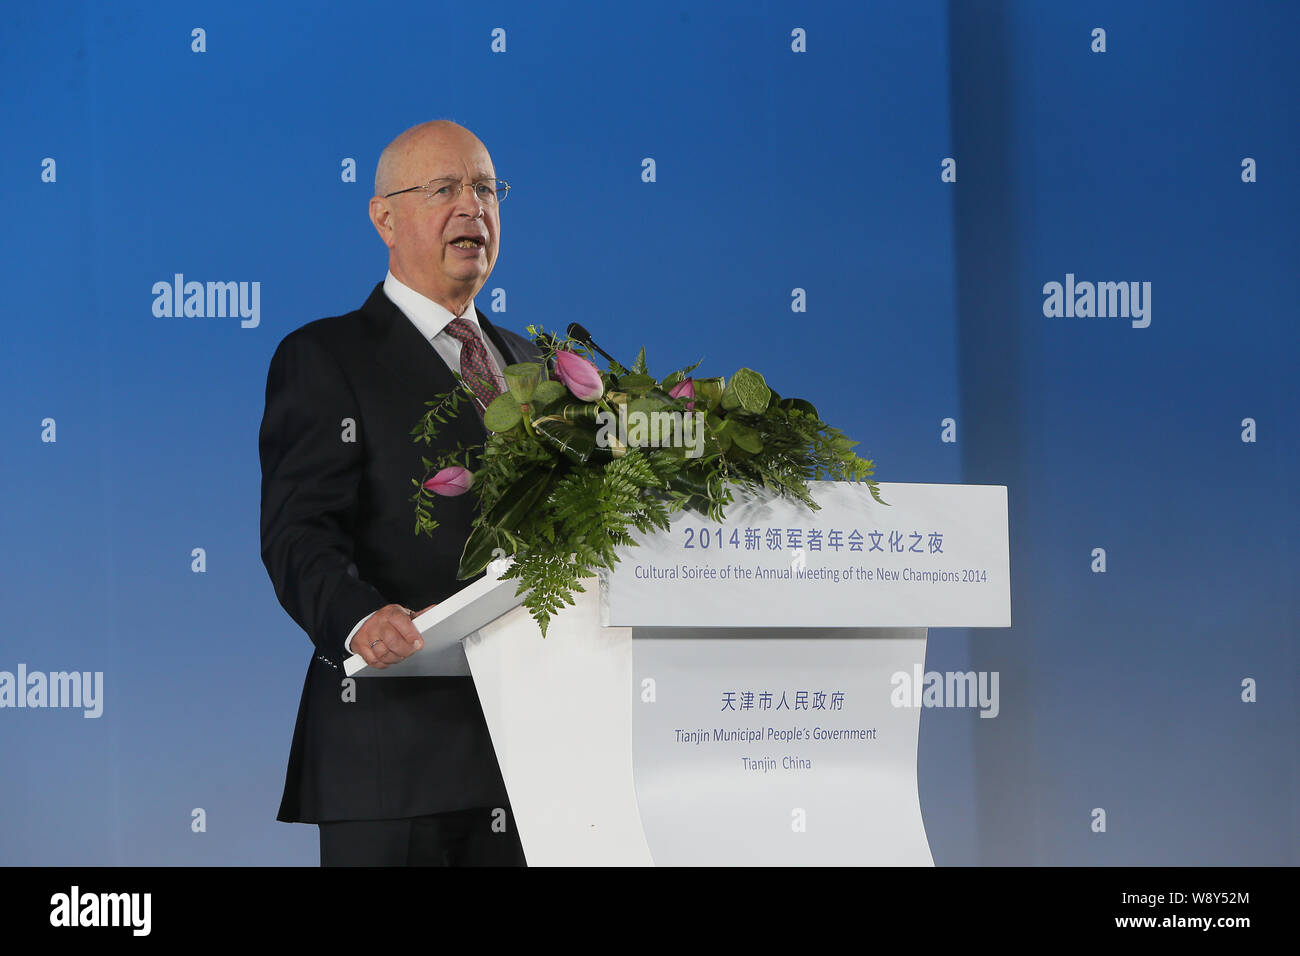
400 770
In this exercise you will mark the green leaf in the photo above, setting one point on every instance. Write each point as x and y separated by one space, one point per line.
748 391
636 384
579 412
503 414
482 544
652 402
639 366
575 443
799 405
547 393
745 437
519 499
673 380
691 482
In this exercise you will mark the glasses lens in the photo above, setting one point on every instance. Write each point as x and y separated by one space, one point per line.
443 190
448 190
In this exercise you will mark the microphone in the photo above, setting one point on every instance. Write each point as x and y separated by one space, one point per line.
576 331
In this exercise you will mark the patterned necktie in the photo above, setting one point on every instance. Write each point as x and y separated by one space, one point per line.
476 366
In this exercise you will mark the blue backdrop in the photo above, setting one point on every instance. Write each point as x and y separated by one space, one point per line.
921 170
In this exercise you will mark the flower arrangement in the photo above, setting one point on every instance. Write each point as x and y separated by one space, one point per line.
577 457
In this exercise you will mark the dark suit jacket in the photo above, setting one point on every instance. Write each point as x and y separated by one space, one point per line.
338 540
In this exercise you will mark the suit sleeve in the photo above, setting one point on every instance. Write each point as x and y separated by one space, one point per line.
311 479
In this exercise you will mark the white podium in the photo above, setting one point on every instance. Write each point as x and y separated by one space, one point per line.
732 693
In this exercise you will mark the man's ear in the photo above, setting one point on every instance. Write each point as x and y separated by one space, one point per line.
381 215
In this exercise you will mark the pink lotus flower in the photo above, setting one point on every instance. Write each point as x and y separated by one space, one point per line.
451 481
685 389
579 376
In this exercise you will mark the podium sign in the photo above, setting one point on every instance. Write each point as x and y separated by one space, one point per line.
936 556
778 751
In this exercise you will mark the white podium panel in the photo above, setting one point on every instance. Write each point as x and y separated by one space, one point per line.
686 747
782 750
560 712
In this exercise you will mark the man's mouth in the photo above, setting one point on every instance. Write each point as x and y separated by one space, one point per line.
467 242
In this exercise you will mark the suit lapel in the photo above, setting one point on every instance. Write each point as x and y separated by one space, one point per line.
412 359
403 351
408 355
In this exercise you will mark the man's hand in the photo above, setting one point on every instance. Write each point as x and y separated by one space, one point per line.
388 637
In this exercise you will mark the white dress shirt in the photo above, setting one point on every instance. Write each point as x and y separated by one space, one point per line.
432 320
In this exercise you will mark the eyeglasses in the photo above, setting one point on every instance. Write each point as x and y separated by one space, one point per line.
441 191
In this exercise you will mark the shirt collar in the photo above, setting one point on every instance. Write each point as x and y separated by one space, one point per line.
425 314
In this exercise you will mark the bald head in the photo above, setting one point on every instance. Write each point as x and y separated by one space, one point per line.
399 156
445 245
